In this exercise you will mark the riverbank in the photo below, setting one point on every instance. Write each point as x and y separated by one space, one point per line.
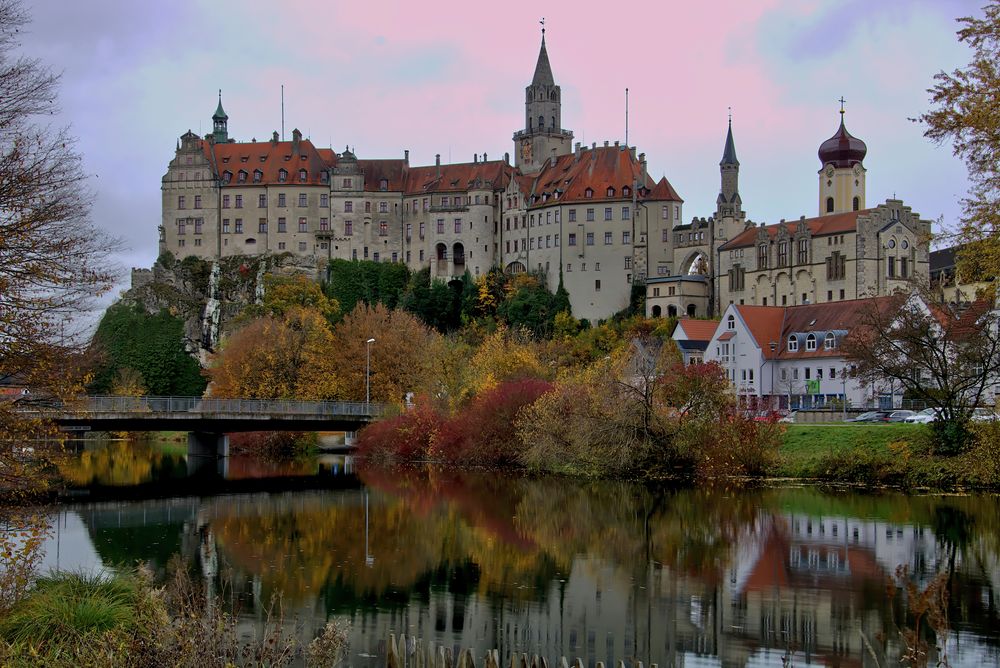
898 455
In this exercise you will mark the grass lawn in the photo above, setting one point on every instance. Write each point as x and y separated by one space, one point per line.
806 446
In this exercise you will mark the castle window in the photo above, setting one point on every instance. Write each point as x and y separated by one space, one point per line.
782 253
793 344
625 213
324 200
383 229
348 228
239 201
829 343
607 213
348 207
227 176
383 184
572 239
588 193
811 343
198 222
383 207
731 322
902 267
829 205
282 175
302 225
257 175
857 203
346 183
262 226
541 122
197 201
553 123
626 237
803 251
611 192
762 256
242 178
302 174
281 199
282 225
626 192
239 226
303 199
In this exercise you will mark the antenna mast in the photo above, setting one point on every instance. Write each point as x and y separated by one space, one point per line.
282 112
626 118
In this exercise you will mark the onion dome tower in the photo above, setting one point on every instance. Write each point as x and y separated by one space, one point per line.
842 175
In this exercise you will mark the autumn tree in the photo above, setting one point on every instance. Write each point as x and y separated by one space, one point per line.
290 357
283 293
941 354
966 112
402 355
53 260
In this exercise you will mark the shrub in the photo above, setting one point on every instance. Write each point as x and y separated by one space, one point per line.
404 437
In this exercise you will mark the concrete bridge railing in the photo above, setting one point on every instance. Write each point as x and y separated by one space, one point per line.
105 405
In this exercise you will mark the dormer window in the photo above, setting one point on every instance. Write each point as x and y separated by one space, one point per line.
242 178
588 193
830 342
611 192
731 322
282 175
811 343
383 184
302 175
227 176
225 160
257 175
244 158
793 344
626 192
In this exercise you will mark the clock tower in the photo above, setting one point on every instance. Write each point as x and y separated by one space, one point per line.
543 136
842 176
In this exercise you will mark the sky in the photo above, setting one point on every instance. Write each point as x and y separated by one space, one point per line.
448 77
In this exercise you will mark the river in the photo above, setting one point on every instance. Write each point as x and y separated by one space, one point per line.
597 570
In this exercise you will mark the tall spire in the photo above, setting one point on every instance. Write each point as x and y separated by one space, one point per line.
543 71
220 113
729 153
220 122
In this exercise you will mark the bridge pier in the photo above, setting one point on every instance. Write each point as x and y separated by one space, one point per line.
207 450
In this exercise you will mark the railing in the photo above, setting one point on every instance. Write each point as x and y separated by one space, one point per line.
146 405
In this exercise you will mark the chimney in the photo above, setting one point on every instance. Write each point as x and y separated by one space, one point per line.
632 151
616 143
484 156
506 158
406 156
437 163
642 164
296 138
475 158
594 146
274 137
606 143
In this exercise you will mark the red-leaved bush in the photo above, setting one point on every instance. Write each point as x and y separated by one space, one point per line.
483 432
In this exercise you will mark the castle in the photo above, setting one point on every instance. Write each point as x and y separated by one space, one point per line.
590 217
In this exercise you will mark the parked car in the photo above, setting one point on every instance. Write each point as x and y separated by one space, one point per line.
870 416
925 416
898 416
790 418
985 415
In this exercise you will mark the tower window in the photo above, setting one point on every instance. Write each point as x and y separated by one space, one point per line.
541 122
829 205
857 203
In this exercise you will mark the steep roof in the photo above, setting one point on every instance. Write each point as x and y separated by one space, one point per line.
543 71
698 330
764 323
835 223
457 177
268 157
392 170
729 153
597 169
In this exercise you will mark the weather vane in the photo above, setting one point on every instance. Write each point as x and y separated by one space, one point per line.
730 114
543 25
842 104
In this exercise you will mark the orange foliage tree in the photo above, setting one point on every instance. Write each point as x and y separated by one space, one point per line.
278 358
402 356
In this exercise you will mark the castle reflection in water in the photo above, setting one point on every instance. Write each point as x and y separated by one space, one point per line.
601 571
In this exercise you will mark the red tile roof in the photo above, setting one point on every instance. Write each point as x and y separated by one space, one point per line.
270 158
698 330
835 223
764 323
596 169
393 171
457 177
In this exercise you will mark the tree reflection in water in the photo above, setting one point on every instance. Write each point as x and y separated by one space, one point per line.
602 570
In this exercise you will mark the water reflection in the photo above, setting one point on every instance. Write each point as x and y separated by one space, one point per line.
599 570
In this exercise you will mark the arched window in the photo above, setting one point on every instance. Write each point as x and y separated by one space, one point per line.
793 344
553 96
553 126
830 342
541 122
829 205
811 343
731 322
857 203
657 311
691 310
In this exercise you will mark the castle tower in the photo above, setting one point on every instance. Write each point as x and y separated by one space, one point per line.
842 176
220 121
729 202
543 136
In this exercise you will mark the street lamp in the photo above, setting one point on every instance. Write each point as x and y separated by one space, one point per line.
368 373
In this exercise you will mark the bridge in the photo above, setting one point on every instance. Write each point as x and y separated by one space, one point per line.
207 420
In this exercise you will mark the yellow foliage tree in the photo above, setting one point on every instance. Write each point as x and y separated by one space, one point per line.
503 355
278 358
282 293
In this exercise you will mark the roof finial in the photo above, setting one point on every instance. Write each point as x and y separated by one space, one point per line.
841 105
543 27
730 115
220 95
